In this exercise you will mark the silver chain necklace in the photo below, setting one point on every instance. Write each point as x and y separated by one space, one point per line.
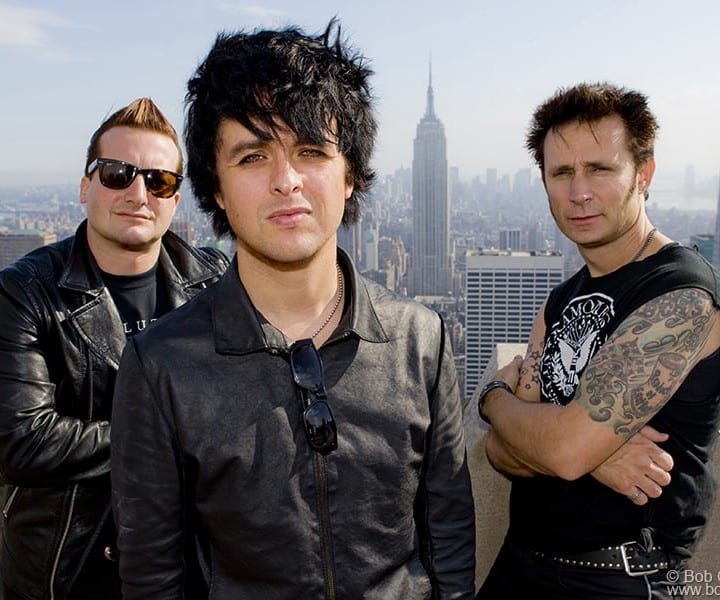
648 239
340 290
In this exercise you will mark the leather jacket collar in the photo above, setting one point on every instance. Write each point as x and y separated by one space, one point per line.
233 313
82 274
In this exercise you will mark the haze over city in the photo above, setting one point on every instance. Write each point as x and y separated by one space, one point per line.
67 66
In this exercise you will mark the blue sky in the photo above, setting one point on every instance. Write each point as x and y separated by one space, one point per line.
65 66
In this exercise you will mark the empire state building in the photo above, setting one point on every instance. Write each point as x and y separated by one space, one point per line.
430 274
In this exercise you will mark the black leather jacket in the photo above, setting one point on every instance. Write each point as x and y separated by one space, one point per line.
61 338
213 446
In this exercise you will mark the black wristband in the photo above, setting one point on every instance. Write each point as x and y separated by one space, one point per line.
491 385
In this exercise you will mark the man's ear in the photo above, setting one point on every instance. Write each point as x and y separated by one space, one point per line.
645 175
84 187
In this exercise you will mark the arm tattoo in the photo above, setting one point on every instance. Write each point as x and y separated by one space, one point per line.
646 359
532 368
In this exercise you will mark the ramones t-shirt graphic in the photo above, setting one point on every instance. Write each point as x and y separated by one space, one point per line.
571 342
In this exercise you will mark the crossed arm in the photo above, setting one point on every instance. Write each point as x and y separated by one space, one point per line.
603 431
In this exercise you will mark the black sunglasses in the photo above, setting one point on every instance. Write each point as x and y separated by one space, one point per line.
307 372
117 175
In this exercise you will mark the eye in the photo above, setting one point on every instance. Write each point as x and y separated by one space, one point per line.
561 173
250 159
312 151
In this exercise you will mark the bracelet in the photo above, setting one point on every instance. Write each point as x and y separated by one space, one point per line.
495 383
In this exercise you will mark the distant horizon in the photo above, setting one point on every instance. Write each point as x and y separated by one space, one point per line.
661 180
666 193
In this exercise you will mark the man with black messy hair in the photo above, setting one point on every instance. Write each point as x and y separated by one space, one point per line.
302 423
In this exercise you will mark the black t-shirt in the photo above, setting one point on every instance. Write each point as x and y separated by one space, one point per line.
140 299
548 513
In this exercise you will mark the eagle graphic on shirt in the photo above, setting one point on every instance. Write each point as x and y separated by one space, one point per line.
570 344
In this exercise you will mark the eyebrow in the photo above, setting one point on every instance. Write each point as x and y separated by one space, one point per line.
257 143
245 145
590 163
599 163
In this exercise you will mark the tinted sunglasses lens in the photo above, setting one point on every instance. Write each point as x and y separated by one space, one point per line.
320 427
116 175
162 184
306 366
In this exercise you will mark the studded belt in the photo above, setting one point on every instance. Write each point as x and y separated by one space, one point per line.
630 557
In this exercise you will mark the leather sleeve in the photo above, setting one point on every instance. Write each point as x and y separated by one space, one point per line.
445 511
146 484
39 447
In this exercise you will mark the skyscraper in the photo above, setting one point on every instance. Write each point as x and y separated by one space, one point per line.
503 292
350 240
510 239
705 243
16 244
430 274
184 229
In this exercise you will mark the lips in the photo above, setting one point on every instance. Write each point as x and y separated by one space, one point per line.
288 216
289 212
135 216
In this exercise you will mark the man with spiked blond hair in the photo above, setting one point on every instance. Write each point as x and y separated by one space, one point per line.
66 311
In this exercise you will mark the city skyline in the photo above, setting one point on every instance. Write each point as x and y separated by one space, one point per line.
65 69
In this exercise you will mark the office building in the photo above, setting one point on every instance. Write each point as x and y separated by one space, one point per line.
350 239
510 239
16 244
705 243
503 292
184 229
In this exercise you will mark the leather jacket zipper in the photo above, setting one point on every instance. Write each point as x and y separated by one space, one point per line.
325 528
9 502
63 539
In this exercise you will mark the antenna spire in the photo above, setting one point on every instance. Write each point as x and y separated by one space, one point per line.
430 110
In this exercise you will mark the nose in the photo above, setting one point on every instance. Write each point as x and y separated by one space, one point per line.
580 189
285 179
137 191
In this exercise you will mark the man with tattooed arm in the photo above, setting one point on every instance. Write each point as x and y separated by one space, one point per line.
606 426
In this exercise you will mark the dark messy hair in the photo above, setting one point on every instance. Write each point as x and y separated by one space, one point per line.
315 84
590 102
142 113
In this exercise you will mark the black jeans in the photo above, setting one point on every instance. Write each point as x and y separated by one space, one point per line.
517 576
98 581
99 578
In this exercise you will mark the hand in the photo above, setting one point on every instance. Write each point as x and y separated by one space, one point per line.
639 469
510 373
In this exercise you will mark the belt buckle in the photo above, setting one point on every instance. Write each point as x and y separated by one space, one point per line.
626 562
